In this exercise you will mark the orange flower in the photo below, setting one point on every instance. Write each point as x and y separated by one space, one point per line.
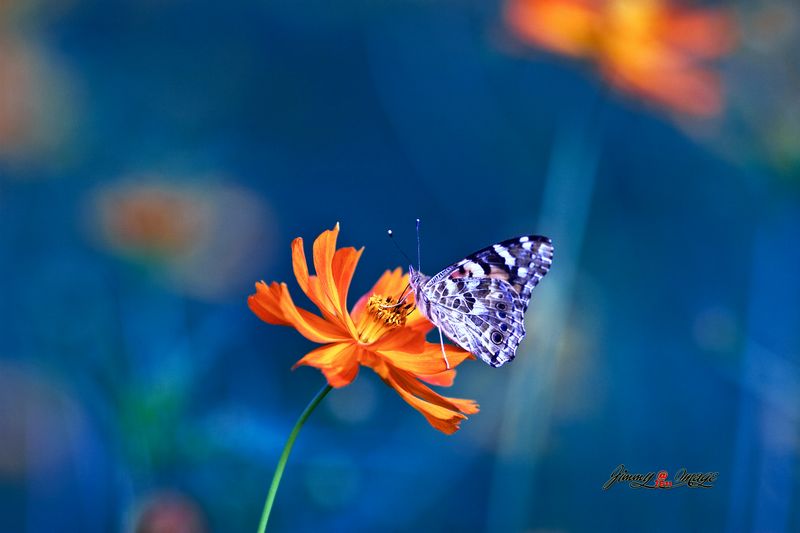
151 219
391 341
651 48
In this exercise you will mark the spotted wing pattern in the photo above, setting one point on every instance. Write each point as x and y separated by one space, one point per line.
480 302
482 315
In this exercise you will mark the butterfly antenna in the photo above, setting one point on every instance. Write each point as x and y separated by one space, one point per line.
391 236
419 255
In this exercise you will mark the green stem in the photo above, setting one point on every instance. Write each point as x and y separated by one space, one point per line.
276 479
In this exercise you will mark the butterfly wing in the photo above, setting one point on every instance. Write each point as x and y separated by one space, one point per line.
480 302
484 316
522 262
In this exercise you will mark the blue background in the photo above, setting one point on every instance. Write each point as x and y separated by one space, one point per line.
666 336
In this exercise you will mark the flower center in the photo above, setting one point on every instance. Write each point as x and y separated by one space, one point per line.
388 311
385 313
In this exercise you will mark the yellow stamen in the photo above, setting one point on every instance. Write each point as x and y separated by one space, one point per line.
392 313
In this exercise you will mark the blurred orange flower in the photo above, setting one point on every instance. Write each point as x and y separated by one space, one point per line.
155 219
654 49
391 341
194 232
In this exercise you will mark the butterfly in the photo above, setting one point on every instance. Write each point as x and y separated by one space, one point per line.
480 302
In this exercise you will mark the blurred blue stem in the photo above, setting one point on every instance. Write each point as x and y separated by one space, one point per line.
563 216
287 449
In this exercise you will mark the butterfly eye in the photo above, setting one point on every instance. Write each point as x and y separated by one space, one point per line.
497 337
501 314
504 327
501 306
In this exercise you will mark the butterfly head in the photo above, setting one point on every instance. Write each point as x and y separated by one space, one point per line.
416 280
415 277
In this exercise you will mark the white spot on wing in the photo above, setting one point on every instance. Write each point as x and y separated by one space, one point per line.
450 286
473 268
503 252
479 309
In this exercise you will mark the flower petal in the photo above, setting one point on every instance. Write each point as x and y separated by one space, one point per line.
428 362
671 82
344 266
265 303
310 284
455 354
341 376
418 322
705 33
412 385
442 379
338 362
401 339
563 26
445 419
324 250
299 264
273 304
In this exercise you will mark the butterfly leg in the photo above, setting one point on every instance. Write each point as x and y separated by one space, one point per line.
441 340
